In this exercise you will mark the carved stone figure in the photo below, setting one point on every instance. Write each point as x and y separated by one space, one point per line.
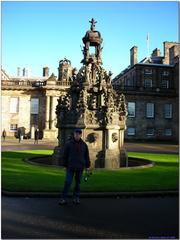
114 137
92 137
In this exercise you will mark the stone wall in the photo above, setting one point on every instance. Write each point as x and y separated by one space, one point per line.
159 96
140 122
22 117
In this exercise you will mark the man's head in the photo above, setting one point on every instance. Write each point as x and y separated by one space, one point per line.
77 134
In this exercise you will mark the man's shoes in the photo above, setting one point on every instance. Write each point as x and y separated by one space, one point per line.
62 202
76 201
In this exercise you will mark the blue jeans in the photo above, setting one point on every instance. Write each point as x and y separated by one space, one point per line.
70 173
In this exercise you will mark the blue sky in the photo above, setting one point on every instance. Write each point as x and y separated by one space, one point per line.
38 34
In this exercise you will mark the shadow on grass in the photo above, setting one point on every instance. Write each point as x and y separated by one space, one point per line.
167 164
24 154
13 162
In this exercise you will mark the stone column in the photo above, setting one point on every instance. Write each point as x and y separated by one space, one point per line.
121 138
47 111
32 132
53 113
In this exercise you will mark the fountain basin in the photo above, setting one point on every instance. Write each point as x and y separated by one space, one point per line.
132 163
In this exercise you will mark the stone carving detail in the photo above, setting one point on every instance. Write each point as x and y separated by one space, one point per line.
114 137
92 137
122 108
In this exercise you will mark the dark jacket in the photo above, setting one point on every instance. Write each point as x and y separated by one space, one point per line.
4 133
36 134
76 155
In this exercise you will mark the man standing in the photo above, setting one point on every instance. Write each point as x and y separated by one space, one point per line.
4 135
75 159
36 136
19 133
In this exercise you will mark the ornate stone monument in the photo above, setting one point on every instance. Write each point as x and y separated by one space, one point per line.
92 105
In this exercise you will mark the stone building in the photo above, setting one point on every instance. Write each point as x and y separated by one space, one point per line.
150 86
151 89
30 102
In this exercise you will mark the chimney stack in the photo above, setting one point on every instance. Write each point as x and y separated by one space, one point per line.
24 72
18 71
156 53
167 46
45 72
133 55
173 52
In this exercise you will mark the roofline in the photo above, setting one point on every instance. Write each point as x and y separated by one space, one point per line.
155 64
170 42
146 64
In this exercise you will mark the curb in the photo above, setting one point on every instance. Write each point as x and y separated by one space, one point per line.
94 194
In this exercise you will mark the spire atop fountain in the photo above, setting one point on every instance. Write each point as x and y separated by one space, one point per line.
92 38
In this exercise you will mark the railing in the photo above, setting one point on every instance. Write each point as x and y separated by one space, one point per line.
142 88
59 83
15 83
31 83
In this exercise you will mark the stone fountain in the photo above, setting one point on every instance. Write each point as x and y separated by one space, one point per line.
92 105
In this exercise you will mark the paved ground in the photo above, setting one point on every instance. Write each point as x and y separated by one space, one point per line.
13 144
93 218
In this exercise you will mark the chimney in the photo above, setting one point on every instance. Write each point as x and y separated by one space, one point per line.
18 71
24 72
156 53
45 72
167 46
133 55
173 52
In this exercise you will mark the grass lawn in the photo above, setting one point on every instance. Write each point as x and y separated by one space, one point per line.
18 175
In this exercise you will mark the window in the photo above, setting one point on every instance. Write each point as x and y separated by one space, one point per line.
148 83
168 132
128 81
150 132
14 105
165 83
13 127
131 109
150 110
165 73
131 131
168 110
148 71
34 105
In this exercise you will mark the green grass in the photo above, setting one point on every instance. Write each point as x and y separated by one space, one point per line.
18 175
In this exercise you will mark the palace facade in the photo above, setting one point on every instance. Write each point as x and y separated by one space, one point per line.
151 87
30 103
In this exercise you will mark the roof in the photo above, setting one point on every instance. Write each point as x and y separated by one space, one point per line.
150 62
4 74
